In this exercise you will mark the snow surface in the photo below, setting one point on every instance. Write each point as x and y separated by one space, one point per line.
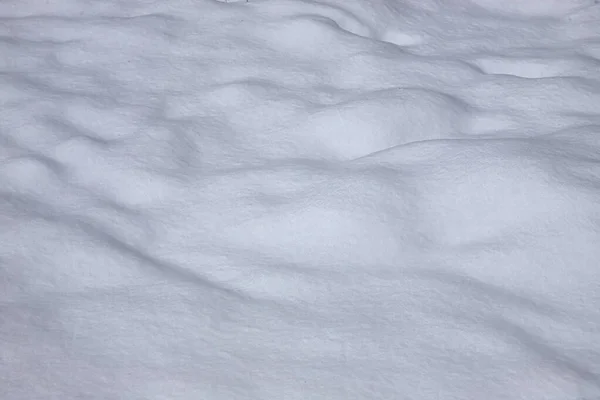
295 199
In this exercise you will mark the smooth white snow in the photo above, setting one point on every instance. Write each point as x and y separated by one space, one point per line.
294 199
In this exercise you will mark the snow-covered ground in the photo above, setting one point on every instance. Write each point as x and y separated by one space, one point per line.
300 200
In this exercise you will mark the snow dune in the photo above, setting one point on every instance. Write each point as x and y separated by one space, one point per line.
294 199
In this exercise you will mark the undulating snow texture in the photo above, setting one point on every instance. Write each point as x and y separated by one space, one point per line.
295 199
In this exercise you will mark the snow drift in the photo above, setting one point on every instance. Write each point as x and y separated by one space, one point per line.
288 199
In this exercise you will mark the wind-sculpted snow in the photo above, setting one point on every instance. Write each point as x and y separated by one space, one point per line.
286 199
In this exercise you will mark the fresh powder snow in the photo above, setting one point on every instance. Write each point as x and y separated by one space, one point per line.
300 200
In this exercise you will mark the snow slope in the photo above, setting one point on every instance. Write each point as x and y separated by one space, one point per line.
296 199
